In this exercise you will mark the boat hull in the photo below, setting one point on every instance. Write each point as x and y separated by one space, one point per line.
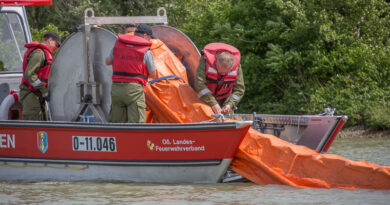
316 132
163 153
145 172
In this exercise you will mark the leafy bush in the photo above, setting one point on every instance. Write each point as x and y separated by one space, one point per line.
37 34
378 116
298 57
302 56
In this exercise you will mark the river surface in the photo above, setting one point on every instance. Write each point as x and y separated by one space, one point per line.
373 150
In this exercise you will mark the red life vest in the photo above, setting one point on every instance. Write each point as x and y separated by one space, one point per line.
43 72
128 61
220 86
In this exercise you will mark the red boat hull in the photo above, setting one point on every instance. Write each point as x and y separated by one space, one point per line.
134 145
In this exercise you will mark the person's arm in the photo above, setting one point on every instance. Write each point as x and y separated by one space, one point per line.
238 91
201 88
150 65
110 57
36 60
108 61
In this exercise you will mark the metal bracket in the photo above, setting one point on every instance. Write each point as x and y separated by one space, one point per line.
88 97
158 19
257 123
88 92
328 112
219 117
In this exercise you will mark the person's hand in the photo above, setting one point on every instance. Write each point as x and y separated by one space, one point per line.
46 96
216 108
226 109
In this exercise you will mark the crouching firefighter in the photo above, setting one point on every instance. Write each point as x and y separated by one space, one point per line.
219 79
36 68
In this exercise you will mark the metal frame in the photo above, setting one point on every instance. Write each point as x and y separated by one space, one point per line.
89 88
125 126
299 129
158 19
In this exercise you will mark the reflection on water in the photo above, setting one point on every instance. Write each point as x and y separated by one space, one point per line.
374 150
233 193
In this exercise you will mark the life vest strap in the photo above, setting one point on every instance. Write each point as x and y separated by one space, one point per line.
43 80
131 75
219 82
44 56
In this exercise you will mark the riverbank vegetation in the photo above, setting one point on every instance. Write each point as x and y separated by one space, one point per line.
298 57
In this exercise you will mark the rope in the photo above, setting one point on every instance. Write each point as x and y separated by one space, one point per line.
43 166
208 120
163 78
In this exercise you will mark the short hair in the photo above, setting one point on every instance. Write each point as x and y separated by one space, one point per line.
53 36
130 25
144 29
225 59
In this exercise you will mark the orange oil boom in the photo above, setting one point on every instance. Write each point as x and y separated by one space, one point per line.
261 158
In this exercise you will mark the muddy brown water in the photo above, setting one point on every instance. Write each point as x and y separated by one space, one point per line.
375 150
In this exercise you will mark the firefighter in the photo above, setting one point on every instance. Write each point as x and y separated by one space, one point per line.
219 79
130 28
36 67
132 63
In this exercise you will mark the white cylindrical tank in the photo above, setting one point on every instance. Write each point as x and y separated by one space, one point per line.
68 69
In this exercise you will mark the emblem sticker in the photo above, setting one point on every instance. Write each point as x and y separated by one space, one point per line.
42 141
150 145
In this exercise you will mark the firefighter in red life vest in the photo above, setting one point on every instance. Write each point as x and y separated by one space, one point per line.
219 79
132 63
36 67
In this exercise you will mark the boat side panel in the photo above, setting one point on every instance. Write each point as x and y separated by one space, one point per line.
12 171
125 145
316 130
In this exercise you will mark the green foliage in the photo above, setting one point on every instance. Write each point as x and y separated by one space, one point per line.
302 56
378 116
37 35
298 57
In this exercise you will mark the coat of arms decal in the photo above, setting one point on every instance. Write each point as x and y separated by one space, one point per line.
42 141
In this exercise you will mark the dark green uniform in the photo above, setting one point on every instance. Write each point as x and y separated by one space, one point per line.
30 101
128 99
128 103
208 98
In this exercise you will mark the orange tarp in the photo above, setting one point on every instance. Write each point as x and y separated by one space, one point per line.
261 158
266 159
172 100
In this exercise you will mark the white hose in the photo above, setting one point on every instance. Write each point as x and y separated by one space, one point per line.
5 106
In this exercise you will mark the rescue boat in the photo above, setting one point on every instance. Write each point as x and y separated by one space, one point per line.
182 140
165 153
79 144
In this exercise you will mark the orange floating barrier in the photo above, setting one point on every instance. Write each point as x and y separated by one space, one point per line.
172 100
266 159
261 158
